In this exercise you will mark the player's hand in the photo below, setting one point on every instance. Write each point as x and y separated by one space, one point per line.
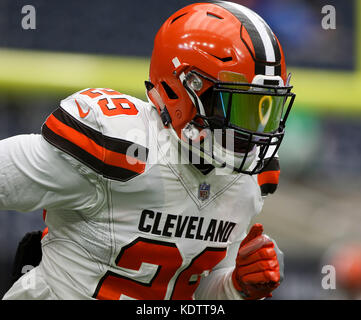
257 271
269 177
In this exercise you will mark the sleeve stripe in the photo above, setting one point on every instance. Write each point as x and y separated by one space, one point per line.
268 177
113 165
110 143
84 142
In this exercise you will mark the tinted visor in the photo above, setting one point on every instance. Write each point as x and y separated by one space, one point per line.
255 108
256 111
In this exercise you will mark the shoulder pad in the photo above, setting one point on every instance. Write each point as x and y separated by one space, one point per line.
93 126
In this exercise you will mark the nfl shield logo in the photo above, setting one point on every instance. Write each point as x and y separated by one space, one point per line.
204 190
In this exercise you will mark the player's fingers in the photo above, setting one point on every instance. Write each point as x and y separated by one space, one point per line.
255 231
259 266
255 244
261 254
261 277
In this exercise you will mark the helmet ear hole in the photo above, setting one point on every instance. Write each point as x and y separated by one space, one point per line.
169 91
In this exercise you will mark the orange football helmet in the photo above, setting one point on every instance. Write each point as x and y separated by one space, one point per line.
218 75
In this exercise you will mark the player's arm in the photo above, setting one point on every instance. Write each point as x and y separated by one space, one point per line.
67 166
34 175
55 169
251 270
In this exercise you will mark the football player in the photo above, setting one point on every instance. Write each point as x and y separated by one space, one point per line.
153 200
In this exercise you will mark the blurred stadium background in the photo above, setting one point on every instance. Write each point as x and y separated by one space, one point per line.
81 44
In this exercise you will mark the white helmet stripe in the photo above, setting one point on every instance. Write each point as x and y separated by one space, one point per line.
260 25
264 42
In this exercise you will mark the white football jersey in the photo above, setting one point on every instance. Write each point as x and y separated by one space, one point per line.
125 220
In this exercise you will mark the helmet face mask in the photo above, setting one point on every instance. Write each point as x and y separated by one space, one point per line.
242 116
220 80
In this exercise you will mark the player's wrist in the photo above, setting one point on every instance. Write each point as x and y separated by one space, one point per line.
240 289
237 286
258 292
